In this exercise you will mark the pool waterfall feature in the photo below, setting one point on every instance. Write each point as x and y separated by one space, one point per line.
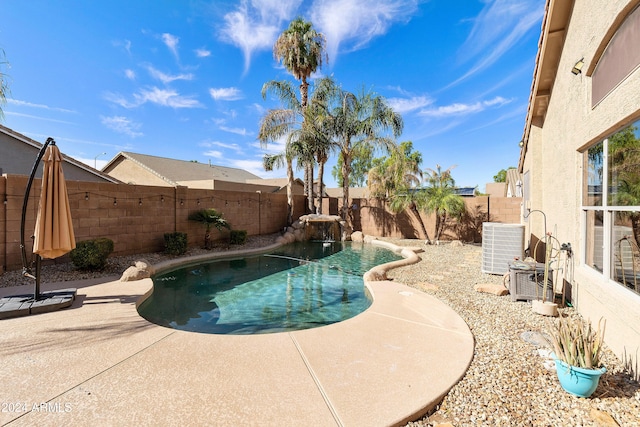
314 227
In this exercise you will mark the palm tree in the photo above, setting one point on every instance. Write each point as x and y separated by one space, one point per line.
298 125
273 161
279 123
210 218
395 178
441 197
301 49
361 120
4 88
624 174
318 127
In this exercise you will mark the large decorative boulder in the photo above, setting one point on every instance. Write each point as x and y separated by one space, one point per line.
140 270
357 236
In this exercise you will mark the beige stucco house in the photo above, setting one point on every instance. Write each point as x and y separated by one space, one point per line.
144 169
580 158
18 153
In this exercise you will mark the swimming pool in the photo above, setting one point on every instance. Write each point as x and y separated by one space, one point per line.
298 286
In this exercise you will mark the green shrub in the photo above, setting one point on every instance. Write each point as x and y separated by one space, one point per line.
92 254
238 237
175 243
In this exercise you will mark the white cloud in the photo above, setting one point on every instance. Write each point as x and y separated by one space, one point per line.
171 42
41 106
202 53
154 95
130 74
225 93
255 25
254 166
349 25
214 153
228 146
499 26
237 131
459 109
274 147
260 109
166 97
122 125
11 113
406 105
167 78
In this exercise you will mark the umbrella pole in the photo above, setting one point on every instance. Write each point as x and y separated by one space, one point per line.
26 271
36 293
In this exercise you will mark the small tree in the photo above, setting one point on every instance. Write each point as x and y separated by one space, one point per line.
442 199
210 218
4 86
501 176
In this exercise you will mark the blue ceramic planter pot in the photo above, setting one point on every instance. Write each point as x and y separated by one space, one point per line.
580 382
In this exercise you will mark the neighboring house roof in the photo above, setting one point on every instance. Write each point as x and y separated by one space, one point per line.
179 172
279 182
18 153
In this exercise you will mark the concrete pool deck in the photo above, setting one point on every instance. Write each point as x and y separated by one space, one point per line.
99 363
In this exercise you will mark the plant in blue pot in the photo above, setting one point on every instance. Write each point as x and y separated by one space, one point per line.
577 347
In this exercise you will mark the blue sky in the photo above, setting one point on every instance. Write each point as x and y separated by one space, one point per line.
182 79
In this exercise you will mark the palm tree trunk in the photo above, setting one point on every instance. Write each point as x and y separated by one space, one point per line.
320 185
289 192
415 211
438 219
304 91
207 238
635 226
310 185
346 171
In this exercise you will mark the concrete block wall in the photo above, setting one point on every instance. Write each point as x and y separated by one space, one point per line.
136 217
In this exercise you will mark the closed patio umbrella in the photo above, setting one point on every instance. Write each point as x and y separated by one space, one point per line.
53 235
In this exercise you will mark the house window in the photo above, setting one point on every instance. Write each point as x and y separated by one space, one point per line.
611 206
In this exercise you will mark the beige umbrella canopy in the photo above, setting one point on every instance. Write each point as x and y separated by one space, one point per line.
53 236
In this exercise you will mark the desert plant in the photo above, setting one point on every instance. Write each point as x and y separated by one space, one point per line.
175 243
238 237
577 343
210 218
91 254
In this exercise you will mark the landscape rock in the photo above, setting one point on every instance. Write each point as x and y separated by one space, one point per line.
369 239
491 288
140 270
375 275
357 236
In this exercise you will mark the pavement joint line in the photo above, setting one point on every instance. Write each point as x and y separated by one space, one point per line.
421 323
315 378
94 376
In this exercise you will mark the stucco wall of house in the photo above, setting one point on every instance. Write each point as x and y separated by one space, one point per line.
17 157
555 162
132 173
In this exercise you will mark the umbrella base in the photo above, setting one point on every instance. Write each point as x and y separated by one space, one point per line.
25 304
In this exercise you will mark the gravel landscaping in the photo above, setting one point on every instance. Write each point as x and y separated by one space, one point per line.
508 382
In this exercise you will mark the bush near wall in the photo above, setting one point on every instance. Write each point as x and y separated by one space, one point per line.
92 254
175 243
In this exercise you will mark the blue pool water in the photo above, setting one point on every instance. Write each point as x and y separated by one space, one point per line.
298 286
